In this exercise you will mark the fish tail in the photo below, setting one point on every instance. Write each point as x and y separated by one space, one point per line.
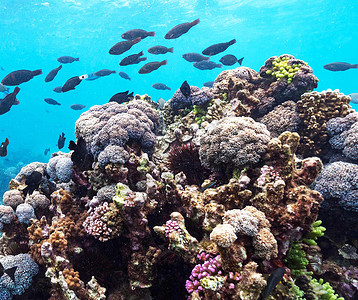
164 62
6 142
16 90
240 61
219 65
171 50
77 59
232 42
37 72
142 59
354 66
141 53
197 21
151 33
207 58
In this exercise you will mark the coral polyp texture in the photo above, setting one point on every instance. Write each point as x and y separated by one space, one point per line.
210 196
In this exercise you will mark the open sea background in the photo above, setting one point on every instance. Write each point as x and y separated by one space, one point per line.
35 33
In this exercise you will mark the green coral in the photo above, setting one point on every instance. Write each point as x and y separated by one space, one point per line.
214 283
144 166
296 259
299 294
283 69
323 290
199 114
122 191
316 232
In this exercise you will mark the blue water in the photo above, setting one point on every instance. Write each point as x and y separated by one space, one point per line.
35 33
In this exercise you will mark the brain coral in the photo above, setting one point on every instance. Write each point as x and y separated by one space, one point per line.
233 142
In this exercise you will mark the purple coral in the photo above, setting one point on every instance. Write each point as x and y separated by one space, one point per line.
171 226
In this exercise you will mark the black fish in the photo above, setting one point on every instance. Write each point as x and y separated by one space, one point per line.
229 60
132 59
80 156
217 48
161 86
206 65
185 89
160 50
71 83
57 89
275 277
46 151
152 66
121 97
61 141
20 76
208 84
123 46
180 29
77 106
8 101
340 66
124 75
50 76
32 182
51 101
67 59
3 148
194 57
136 33
10 271
104 72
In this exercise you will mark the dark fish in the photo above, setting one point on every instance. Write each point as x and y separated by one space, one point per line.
103 72
185 89
206 65
136 33
340 66
20 76
217 48
47 151
10 272
121 97
80 156
208 84
132 59
152 66
57 89
275 277
3 88
71 83
61 141
50 76
124 75
67 59
51 101
180 29
90 77
354 98
229 60
8 101
3 148
194 57
161 86
2 69
32 182
123 46
77 106
160 50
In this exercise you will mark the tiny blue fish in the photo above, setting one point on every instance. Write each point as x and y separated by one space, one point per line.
124 75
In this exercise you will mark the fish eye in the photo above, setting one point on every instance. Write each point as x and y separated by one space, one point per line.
83 76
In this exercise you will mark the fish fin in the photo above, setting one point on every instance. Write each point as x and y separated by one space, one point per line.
232 42
142 59
137 40
197 21
36 72
208 58
11 272
240 60
164 62
171 50
151 33
141 53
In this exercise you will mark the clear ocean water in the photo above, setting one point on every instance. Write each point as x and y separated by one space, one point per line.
34 33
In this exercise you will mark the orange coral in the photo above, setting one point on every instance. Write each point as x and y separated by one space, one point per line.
72 278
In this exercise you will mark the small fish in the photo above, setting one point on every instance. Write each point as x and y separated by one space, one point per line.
161 103
132 59
217 48
3 148
10 272
50 76
275 277
51 101
20 76
152 66
8 101
2 69
71 83
57 89
160 50
185 89
229 60
340 66
46 151
161 86
123 46
124 75
180 29
206 65
354 98
194 57
67 59
136 33
89 77
32 182
61 141
121 97
77 106
103 72
208 84
3 88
